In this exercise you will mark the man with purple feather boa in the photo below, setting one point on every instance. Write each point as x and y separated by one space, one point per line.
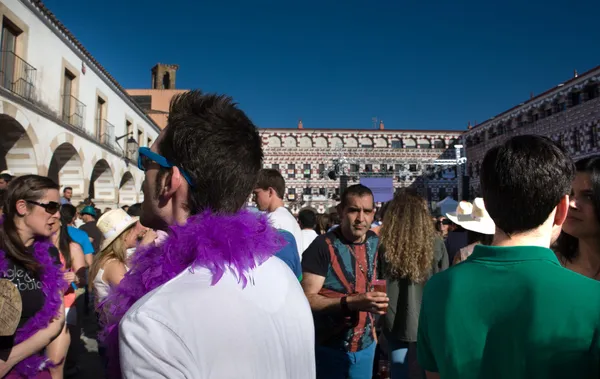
212 301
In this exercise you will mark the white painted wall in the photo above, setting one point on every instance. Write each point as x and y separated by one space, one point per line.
51 134
46 51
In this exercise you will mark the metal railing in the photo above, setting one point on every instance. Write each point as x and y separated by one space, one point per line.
105 133
73 111
16 75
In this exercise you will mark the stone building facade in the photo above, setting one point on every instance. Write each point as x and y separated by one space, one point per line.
305 156
568 113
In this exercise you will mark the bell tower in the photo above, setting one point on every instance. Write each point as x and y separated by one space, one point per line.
164 75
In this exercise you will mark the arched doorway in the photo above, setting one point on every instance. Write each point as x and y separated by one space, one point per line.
127 192
66 169
16 148
102 186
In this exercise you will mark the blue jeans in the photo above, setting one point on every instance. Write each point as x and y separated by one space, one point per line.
403 360
338 364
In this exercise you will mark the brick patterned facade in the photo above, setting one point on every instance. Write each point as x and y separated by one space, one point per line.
568 113
302 155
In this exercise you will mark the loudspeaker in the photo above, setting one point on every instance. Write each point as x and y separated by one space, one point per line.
343 183
466 188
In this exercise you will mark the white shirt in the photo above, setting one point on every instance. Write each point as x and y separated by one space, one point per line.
281 218
308 236
187 328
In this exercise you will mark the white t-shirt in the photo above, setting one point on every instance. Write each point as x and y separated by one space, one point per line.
281 218
308 236
189 329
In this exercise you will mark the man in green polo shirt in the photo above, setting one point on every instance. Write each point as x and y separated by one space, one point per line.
510 310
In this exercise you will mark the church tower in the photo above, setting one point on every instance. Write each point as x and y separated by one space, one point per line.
164 75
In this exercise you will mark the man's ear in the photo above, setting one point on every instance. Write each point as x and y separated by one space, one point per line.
171 183
562 210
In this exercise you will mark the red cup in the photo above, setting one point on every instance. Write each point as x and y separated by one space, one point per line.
379 285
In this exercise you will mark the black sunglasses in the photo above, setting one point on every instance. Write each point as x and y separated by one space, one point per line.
51 207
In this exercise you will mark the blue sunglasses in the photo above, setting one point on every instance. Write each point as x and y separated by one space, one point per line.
145 155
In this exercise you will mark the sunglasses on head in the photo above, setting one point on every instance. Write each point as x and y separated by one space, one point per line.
145 156
50 207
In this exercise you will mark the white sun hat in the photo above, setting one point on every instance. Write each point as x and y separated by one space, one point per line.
112 224
473 217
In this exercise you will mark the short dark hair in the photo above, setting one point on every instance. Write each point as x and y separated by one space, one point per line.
307 218
135 210
271 178
217 145
67 213
67 188
523 180
355 190
6 177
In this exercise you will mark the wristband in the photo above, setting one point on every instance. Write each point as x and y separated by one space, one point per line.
344 304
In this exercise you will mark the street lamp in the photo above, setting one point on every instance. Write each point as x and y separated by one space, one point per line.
132 145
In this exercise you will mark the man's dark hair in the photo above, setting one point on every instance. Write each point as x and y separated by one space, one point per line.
271 178
135 210
523 180
67 188
217 145
355 190
307 219
68 212
6 177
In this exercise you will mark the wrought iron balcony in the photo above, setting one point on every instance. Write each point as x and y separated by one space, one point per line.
73 111
105 133
16 75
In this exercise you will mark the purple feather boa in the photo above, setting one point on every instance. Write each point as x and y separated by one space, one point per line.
237 242
53 283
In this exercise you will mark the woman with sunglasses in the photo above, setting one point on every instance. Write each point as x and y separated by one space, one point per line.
28 259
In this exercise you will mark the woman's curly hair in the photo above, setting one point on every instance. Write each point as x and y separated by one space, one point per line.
407 238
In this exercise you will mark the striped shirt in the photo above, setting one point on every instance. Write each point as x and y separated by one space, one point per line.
348 268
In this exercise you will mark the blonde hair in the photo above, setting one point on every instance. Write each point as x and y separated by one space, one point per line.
407 238
116 250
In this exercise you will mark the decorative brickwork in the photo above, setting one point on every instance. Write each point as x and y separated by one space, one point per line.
569 114
302 155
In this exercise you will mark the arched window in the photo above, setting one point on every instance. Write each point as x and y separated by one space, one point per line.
167 80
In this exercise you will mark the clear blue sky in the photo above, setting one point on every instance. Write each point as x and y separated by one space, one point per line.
337 64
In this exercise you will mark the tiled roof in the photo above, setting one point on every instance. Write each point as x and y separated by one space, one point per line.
54 20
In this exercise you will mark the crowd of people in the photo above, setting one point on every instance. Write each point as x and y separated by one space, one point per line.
193 284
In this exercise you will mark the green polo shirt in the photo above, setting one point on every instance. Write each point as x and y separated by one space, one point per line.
510 312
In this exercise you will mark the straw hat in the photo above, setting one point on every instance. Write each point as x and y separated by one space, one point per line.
473 217
112 224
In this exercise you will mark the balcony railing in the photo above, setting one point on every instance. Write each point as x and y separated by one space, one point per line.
73 111
16 75
105 133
